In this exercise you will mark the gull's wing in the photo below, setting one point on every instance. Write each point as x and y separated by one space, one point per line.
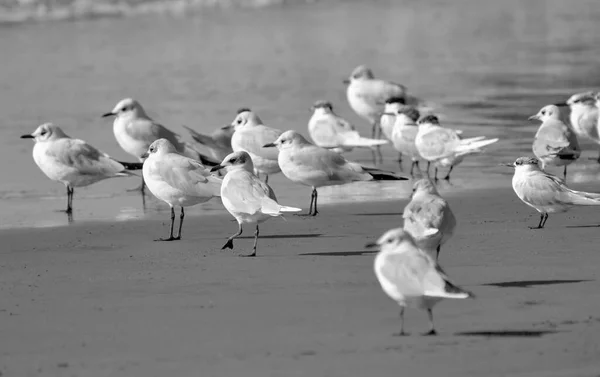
375 92
323 132
247 194
146 130
425 213
406 271
79 155
343 124
543 190
555 138
438 142
187 175
252 139
319 161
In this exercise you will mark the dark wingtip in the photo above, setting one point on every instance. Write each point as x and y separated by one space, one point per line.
243 110
132 165
399 100
208 161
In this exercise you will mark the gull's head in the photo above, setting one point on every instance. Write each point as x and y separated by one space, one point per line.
393 104
246 118
580 99
526 164
392 239
362 72
411 113
236 160
288 139
424 186
322 107
429 120
547 112
160 147
127 107
46 132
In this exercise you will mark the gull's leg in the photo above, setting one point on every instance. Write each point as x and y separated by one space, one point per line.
181 216
312 200
437 255
435 175
255 242
316 194
70 191
431 326
447 177
141 188
545 219
540 225
428 165
565 173
401 333
229 243
171 238
400 160
266 178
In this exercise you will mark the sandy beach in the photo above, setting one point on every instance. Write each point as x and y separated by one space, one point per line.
103 299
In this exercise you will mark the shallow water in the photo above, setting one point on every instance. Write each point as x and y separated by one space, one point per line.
487 65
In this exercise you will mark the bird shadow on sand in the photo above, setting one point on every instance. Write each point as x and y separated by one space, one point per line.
530 283
275 236
583 226
507 333
342 253
378 214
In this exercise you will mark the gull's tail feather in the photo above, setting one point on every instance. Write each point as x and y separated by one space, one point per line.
190 152
132 165
289 209
472 144
453 291
583 198
205 140
382 175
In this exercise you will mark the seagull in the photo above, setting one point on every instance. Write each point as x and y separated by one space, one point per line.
584 116
218 142
249 136
404 133
388 118
248 199
411 277
443 146
177 180
555 143
545 192
428 217
73 162
310 165
135 131
328 130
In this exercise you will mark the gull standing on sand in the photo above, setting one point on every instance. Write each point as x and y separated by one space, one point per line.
545 192
443 146
218 142
404 133
249 136
73 162
248 199
388 119
177 180
555 143
328 130
428 218
584 116
310 165
135 131
411 277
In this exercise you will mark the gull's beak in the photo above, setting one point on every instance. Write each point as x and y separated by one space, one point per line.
215 168
505 164
270 145
392 114
227 127
145 155
108 114
371 245
561 104
27 137
534 117
346 81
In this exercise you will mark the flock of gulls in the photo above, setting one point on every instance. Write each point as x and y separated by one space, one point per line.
245 153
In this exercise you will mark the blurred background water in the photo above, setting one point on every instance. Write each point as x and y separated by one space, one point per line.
486 64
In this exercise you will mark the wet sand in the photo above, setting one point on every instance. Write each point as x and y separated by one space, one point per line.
102 299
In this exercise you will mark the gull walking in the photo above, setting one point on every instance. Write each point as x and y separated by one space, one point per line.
73 162
248 199
249 136
411 277
404 134
555 143
135 131
310 165
584 116
443 146
328 130
388 119
545 192
428 218
177 180
218 142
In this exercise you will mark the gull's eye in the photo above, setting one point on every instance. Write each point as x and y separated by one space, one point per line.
43 133
389 240
239 121
233 160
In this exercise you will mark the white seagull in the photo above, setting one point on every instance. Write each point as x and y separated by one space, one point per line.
411 277
388 119
310 165
248 199
545 192
404 133
177 180
554 143
135 131
218 142
584 116
73 162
